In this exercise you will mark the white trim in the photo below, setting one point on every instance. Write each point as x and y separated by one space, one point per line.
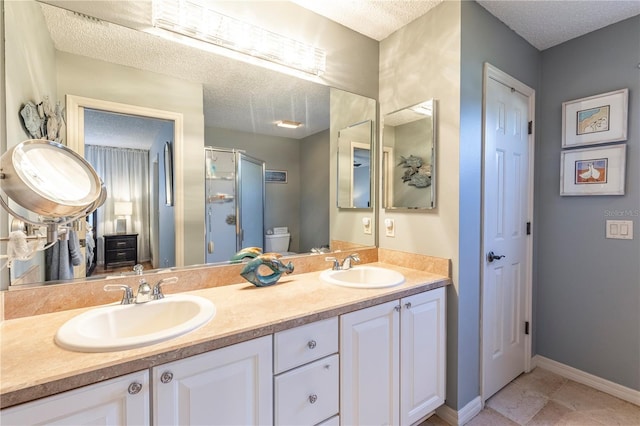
75 140
489 71
619 391
462 416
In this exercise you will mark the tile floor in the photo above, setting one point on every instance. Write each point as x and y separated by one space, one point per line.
544 398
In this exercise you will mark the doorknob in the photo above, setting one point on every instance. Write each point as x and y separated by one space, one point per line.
491 256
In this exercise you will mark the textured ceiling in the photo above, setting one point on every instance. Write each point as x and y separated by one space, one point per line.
375 19
546 23
543 23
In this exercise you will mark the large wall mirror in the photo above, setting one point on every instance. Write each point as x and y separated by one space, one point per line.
224 103
409 157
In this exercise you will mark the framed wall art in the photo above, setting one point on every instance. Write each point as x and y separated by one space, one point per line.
593 171
275 176
596 119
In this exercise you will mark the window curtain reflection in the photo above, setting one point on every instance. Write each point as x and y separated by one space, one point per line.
125 173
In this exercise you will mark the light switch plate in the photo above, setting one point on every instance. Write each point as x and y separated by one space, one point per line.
620 229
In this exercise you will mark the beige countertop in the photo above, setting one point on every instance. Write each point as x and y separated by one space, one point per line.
32 366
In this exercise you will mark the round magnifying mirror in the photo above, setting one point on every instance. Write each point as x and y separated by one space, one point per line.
49 179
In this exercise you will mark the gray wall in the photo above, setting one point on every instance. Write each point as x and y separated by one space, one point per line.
484 39
588 287
314 194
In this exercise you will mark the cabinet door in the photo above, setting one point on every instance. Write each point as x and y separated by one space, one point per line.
228 386
120 401
369 360
422 366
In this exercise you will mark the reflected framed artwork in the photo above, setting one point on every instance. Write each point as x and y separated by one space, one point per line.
593 171
596 119
275 176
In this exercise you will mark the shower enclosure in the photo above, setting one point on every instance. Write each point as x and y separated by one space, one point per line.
234 191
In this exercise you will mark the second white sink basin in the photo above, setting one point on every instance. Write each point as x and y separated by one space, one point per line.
119 327
363 276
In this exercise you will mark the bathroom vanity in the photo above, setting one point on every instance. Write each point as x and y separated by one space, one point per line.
299 352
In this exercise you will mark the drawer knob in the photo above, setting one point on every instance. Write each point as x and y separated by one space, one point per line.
134 388
313 398
166 377
312 344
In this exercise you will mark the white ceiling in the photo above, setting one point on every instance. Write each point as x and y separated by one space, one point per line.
543 23
253 96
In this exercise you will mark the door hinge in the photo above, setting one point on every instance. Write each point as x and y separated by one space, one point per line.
526 327
528 228
530 129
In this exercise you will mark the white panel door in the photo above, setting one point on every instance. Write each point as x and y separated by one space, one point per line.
506 208
422 351
369 363
228 386
120 401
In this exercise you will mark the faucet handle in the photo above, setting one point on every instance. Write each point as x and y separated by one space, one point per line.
336 263
157 289
127 296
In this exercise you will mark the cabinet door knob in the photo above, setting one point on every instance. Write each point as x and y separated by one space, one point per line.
134 388
166 377
397 308
313 398
312 344
407 305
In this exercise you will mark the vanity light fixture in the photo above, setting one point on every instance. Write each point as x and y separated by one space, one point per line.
288 124
194 19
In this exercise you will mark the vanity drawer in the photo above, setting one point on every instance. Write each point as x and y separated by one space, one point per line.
301 345
307 395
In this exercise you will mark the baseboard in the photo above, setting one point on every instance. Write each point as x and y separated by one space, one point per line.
622 392
462 416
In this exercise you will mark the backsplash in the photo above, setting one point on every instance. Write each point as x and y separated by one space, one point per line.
60 297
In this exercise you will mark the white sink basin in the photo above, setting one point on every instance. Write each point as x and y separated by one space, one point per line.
119 327
363 277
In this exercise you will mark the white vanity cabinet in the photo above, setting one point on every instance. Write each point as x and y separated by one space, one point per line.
307 374
227 386
120 401
392 360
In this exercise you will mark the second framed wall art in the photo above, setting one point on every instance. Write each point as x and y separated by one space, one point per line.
593 171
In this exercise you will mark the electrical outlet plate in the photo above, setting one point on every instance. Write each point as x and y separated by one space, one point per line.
390 227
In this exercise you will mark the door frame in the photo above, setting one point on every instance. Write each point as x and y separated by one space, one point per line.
75 106
491 72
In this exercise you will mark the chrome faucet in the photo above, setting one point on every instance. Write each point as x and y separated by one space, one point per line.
157 294
144 294
346 263
127 295
144 289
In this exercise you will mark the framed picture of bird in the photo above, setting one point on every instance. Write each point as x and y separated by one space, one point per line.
593 171
596 119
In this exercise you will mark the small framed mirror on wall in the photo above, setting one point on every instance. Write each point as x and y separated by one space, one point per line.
354 166
409 157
